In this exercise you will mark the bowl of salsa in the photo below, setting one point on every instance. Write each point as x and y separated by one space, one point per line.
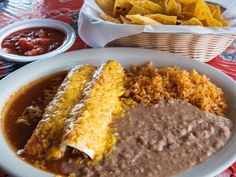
35 39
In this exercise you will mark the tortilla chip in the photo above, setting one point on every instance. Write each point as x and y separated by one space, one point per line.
212 8
138 10
173 8
187 2
106 5
162 3
151 6
125 20
192 21
202 11
188 8
216 12
164 19
121 7
222 20
142 20
211 21
186 15
109 18
170 12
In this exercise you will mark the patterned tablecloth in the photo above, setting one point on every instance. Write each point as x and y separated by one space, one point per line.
67 11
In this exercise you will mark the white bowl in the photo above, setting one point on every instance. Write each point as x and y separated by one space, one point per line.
126 56
37 22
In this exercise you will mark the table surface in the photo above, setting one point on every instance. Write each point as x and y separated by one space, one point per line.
67 11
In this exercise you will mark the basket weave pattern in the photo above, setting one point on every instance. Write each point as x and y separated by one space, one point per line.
199 47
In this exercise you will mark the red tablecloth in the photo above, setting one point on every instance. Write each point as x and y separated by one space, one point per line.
67 11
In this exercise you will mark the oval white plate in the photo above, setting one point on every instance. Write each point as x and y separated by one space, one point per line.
126 56
69 32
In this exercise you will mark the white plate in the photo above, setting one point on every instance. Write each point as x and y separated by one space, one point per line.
126 56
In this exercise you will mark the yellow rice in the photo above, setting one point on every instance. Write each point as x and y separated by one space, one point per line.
148 84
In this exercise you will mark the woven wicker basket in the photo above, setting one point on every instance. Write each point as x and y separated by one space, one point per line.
197 46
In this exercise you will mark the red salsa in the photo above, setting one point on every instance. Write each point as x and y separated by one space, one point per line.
33 41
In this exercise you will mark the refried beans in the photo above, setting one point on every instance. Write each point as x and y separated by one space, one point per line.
160 140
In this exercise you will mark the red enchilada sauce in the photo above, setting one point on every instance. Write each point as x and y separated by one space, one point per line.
21 116
33 41
24 111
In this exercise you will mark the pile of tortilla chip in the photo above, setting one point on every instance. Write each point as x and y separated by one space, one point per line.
162 12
